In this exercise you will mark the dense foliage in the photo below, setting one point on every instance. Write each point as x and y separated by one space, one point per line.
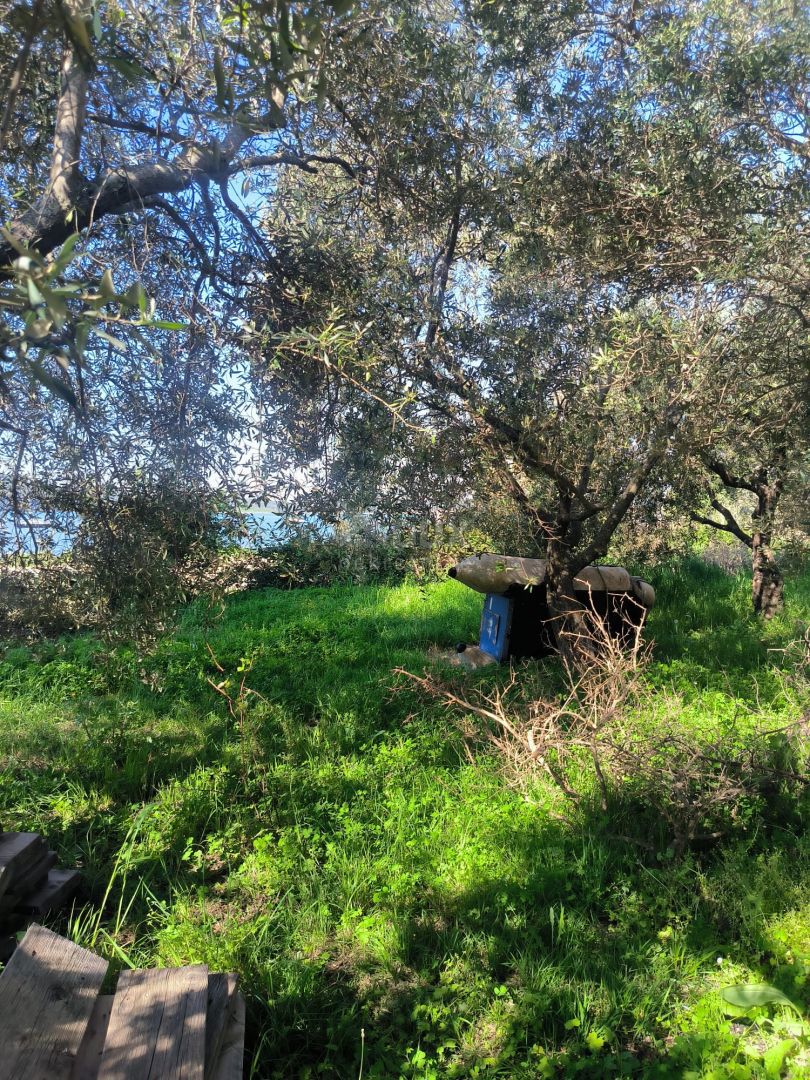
129 245
574 268
423 253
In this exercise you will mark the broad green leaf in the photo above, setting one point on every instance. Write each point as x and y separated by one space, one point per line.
81 334
164 324
797 1028
106 285
35 297
220 80
750 995
65 253
116 343
130 69
136 297
57 307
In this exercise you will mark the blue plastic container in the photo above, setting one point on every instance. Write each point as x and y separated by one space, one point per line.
496 624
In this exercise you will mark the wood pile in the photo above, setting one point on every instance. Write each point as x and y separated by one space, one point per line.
30 884
162 1024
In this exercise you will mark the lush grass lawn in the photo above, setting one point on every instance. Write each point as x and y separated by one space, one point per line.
391 906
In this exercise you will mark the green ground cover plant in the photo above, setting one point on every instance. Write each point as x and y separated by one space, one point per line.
262 794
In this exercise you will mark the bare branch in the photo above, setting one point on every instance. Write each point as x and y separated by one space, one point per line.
596 549
719 468
138 126
729 524
46 226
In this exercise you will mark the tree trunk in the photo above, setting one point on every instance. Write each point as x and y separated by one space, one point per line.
71 109
768 586
570 628
767 590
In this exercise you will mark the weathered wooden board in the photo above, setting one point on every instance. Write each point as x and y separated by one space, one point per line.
232 1055
17 852
221 991
47 993
157 1026
35 876
59 887
88 1059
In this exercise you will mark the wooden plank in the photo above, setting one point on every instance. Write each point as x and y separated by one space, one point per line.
59 887
232 1055
47 993
88 1059
157 1026
17 852
35 876
221 990
22 886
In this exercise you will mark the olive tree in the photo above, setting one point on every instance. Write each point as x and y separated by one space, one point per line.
128 232
751 436
554 240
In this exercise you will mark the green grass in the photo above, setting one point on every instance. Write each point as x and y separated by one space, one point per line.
387 901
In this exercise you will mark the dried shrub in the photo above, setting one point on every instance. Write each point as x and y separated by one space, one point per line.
46 597
610 744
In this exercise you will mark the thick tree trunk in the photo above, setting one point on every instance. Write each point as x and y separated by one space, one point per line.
768 586
570 619
571 622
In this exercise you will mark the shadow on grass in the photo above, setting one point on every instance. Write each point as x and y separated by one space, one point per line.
575 965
